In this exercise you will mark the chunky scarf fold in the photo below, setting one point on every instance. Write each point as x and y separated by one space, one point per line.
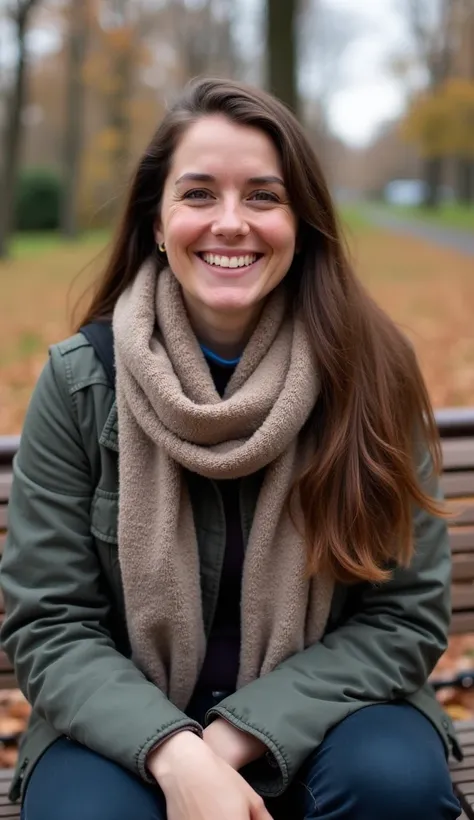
171 417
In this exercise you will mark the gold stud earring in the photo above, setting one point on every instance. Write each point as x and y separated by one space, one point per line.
161 247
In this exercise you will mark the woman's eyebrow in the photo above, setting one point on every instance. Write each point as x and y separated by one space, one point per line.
266 180
198 177
195 177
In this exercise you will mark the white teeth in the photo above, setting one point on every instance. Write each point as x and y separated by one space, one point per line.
229 261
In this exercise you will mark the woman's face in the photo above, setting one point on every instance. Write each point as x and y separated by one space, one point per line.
225 218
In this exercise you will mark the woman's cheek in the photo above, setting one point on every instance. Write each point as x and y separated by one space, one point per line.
279 231
185 229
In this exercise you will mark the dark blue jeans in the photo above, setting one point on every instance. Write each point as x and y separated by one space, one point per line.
382 762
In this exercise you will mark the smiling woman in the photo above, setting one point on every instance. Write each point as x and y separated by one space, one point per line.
227 571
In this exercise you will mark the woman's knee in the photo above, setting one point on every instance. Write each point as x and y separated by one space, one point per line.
72 783
378 788
388 764
388 788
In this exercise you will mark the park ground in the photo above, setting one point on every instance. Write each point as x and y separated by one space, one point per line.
428 289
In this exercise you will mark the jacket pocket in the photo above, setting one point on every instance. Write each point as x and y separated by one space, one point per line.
104 516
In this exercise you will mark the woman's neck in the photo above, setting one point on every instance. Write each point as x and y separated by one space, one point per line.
224 334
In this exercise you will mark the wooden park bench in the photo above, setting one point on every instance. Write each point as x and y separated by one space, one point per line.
457 432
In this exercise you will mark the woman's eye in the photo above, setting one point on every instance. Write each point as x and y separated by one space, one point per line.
265 196
197 193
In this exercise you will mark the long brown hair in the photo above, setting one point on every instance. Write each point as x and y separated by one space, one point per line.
373 417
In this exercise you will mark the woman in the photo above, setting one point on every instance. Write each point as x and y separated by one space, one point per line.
257 615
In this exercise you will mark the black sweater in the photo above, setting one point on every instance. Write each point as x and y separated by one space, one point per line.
221 663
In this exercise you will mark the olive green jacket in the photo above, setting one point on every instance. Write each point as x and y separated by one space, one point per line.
65 628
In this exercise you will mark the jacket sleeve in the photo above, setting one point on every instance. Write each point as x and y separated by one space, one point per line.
57 609
384 651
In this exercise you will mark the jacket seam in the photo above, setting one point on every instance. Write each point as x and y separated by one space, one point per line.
49 489
108 539
67 346
69 377
75 387
106 494
72 396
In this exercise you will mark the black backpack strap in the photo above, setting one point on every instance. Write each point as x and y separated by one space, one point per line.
101 337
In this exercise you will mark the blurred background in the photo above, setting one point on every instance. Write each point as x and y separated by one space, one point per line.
385 89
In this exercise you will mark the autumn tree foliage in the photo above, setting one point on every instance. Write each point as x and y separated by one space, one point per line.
441 123
440 120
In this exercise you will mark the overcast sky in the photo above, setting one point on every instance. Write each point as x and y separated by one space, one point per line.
371 94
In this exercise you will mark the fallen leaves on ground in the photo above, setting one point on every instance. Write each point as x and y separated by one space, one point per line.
14 714
459 657
428 290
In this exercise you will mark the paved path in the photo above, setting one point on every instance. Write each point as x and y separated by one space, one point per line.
462 241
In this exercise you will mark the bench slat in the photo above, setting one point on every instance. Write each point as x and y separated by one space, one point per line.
463 567
461 539
462 596
9 811
5 484
457 484
462 622
463 509
5 665
468 737
458 454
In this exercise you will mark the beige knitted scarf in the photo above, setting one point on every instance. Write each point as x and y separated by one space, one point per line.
171 417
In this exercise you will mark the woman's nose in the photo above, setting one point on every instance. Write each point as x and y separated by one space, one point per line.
230 221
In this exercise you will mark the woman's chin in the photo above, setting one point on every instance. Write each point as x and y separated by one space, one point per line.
229 302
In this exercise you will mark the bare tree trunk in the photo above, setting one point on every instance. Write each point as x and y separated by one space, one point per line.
436 49
282 50
465 180
433 175
464 165
119 100
13 129
73 137
203 38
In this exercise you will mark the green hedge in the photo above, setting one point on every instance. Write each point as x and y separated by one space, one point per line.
38 200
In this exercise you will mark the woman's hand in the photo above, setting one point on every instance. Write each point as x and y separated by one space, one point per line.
235 747
199 785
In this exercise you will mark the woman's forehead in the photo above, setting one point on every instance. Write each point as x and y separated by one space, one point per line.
216 144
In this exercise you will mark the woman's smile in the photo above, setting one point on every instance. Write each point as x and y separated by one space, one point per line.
230 264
